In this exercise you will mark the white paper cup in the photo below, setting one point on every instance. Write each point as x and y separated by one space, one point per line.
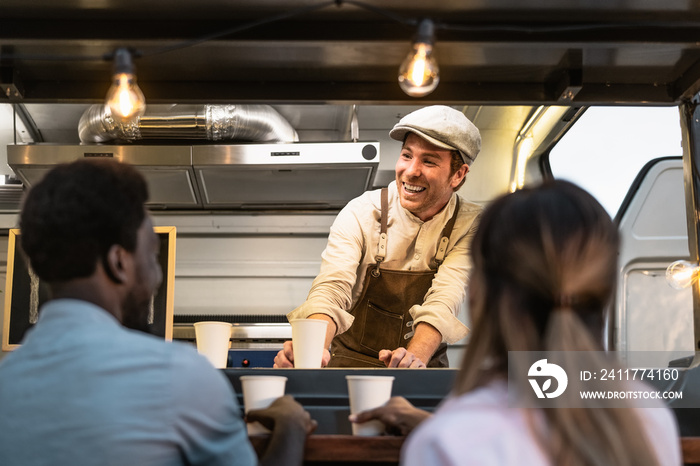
213 339
308 338
368 392
259 391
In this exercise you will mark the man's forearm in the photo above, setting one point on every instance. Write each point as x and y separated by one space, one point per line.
332 327
425 341
286 446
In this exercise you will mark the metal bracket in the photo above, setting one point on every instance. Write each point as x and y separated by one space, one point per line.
10 84
567 83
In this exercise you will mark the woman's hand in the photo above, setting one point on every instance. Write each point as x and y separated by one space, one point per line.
398 415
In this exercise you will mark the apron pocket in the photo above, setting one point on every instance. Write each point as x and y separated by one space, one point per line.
382 329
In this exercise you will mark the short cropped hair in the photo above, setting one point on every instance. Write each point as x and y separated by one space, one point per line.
77 212
455 164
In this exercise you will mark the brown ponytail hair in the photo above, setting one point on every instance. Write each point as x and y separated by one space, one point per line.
544 269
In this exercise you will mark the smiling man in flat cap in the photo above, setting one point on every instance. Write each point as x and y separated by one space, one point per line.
394 273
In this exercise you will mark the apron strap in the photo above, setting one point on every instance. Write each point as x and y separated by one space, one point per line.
381 248
445 235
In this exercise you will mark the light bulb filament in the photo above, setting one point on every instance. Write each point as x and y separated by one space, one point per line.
418 66
126 106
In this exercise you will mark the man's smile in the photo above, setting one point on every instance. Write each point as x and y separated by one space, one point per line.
413 189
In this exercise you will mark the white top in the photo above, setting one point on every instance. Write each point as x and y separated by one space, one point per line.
412 244
479 428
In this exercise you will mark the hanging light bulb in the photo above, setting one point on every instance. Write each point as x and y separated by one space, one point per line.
682 274
419 72
125 99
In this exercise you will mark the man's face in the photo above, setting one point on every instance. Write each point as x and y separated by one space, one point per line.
147 276
423 177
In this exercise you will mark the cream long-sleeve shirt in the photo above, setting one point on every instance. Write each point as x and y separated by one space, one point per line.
411 245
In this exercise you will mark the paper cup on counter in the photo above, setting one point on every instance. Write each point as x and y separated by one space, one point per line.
368 392
259 391
308 338
213 340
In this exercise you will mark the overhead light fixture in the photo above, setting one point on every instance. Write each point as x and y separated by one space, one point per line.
682 274
124 98
419 74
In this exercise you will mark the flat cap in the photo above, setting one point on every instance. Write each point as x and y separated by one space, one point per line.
444 127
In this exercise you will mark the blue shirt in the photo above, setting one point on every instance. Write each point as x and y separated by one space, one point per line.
84 390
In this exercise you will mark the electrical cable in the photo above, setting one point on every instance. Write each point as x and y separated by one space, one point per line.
244 27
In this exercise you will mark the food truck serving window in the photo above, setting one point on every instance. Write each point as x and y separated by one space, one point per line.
606 148
25 293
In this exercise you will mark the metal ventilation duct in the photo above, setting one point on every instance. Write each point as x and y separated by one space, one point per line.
265 168
249 123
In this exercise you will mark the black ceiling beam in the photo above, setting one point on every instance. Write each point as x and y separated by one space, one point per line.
688 84
453 93
518 31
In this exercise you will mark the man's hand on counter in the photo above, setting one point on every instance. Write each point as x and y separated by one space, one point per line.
400 357
285 357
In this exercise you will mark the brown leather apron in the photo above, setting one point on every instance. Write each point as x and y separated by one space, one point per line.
382 318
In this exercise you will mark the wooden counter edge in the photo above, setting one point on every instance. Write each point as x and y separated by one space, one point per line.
690 448
345 448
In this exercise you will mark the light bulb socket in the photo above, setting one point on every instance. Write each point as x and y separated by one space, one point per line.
123 62
426 32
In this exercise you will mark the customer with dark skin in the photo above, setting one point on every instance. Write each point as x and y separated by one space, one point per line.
88 236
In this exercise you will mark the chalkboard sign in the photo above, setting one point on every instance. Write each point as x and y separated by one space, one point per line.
25 293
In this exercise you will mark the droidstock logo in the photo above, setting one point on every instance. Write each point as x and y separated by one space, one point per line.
541 369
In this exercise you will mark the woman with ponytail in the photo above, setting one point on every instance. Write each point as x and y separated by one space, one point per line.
544 269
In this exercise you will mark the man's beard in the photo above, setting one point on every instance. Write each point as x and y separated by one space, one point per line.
138 315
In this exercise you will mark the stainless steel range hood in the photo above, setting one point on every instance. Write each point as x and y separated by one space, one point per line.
226 176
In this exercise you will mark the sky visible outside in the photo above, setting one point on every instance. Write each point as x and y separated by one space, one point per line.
607 147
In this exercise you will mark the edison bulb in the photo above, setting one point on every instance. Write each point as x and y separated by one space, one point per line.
125 99
419 72
682 274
